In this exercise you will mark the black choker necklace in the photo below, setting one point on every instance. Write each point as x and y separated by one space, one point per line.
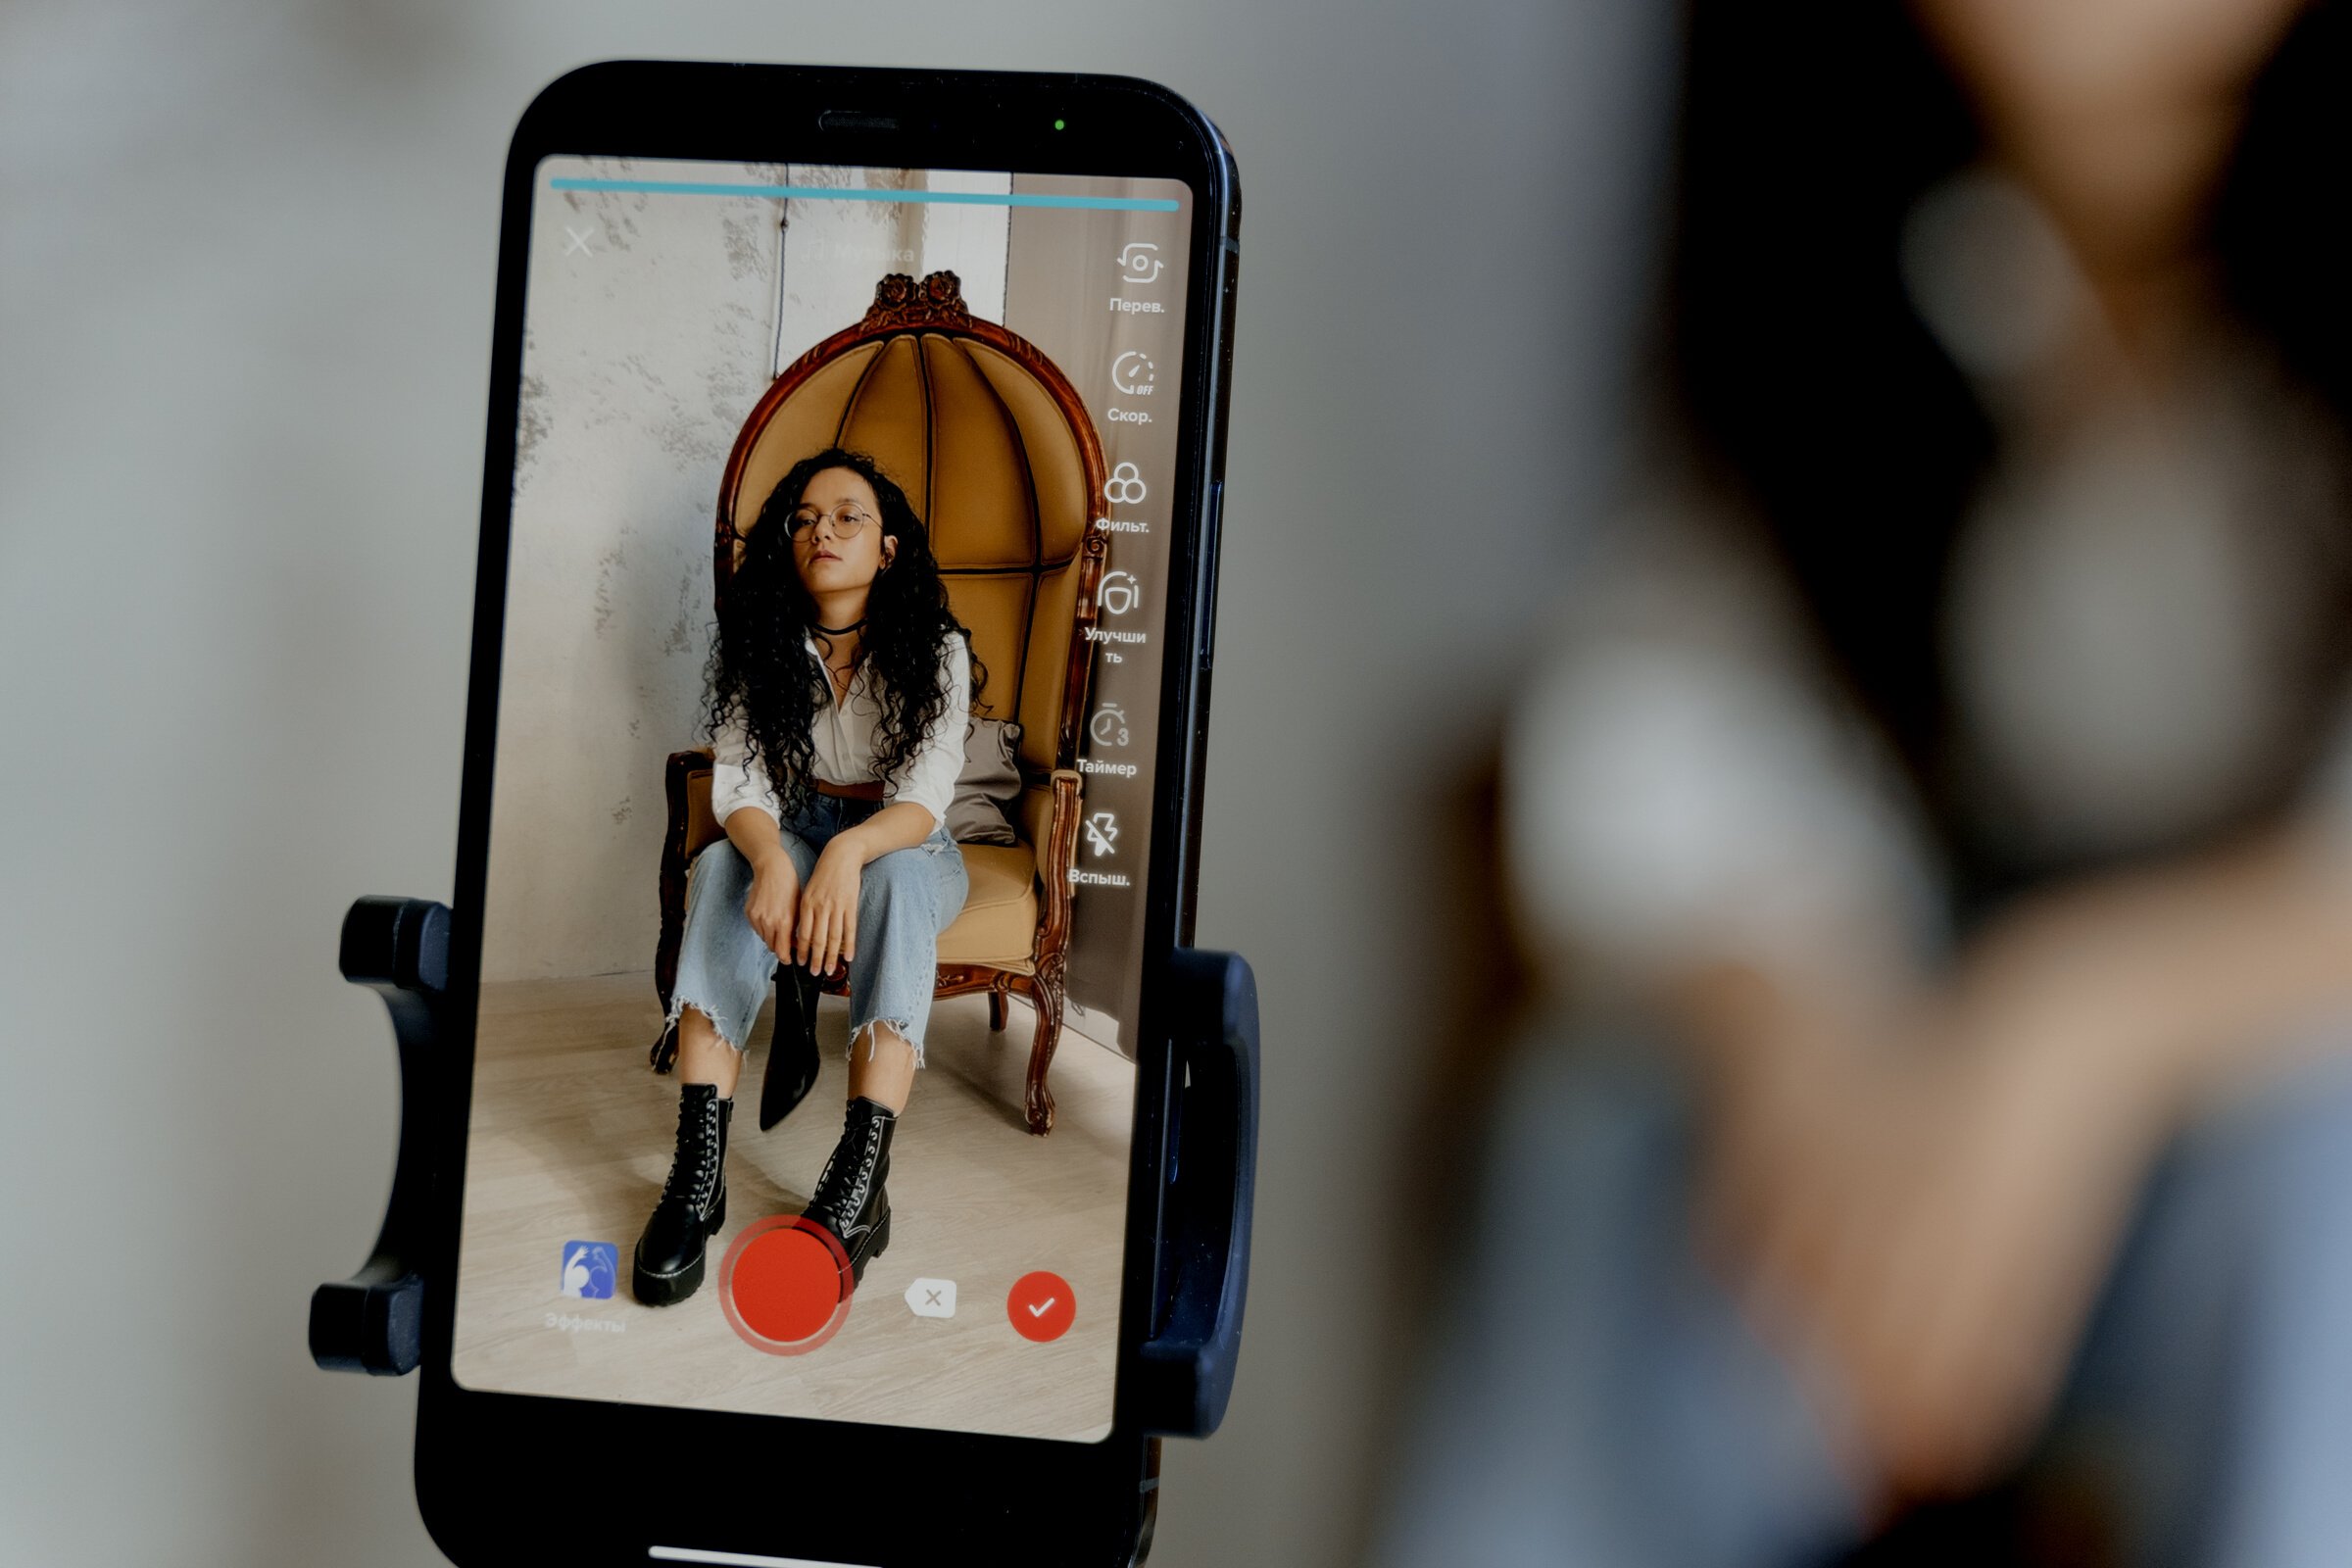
839 631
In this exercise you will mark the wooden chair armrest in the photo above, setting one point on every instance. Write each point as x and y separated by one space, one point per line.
1057 853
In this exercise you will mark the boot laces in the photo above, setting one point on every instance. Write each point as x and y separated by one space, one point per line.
828 1194
694 1169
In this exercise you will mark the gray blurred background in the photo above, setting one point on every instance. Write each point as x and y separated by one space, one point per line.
246 257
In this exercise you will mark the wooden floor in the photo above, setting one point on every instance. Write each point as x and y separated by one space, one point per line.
571 1141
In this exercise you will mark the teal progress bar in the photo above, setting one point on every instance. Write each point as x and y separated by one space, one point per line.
838 193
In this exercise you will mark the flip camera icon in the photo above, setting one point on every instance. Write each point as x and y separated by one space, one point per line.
1139 261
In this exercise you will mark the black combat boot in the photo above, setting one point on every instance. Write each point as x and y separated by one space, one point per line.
849 1201
792 1054
694 1202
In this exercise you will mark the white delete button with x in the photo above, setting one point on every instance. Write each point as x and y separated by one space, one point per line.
932 1298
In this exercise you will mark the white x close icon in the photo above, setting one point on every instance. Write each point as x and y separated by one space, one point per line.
931 1298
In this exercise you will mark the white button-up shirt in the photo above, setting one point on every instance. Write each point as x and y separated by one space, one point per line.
842 743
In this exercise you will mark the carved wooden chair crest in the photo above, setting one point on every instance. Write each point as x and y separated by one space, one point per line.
995 450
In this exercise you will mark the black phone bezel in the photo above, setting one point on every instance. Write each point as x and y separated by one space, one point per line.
494 1472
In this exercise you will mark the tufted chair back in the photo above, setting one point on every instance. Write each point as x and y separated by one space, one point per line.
993 446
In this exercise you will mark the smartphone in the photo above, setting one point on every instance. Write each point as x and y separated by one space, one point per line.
1014 294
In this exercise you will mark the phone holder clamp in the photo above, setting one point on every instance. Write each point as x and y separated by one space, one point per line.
1187 1366
373 1321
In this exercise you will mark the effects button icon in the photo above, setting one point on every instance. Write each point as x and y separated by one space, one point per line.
588 1270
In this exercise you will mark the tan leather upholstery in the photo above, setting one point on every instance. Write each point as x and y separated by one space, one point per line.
1036 808
998 923
1007 527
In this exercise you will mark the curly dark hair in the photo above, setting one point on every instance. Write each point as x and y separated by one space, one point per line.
759 663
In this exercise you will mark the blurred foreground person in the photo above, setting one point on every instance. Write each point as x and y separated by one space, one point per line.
1936 815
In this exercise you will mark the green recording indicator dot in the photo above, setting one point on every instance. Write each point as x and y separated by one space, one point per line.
1057 124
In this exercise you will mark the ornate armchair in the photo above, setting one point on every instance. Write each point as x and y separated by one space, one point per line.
995 447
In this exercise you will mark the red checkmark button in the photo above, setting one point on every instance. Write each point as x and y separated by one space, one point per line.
1041 1306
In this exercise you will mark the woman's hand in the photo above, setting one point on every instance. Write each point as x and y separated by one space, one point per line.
772 904
1938 1251
827 928
1923 1220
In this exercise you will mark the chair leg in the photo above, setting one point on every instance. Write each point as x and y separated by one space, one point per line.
996 1009
1045 991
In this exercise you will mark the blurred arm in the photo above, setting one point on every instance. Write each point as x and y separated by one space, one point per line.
2191 975
1684 798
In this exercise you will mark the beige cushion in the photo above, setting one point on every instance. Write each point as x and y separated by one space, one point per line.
998 923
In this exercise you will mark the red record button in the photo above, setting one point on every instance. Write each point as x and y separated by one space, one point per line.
1041 1306
785 1285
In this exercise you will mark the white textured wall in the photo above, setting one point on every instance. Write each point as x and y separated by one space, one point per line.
835 250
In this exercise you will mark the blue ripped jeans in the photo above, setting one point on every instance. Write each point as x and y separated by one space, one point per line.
905 900
1598 1396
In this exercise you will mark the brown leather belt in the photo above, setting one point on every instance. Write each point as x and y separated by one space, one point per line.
865 789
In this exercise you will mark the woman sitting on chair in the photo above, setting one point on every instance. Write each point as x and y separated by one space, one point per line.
840 689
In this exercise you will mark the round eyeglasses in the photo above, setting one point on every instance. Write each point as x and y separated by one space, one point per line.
847 521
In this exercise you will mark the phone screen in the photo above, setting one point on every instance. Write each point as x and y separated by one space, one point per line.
1007 348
